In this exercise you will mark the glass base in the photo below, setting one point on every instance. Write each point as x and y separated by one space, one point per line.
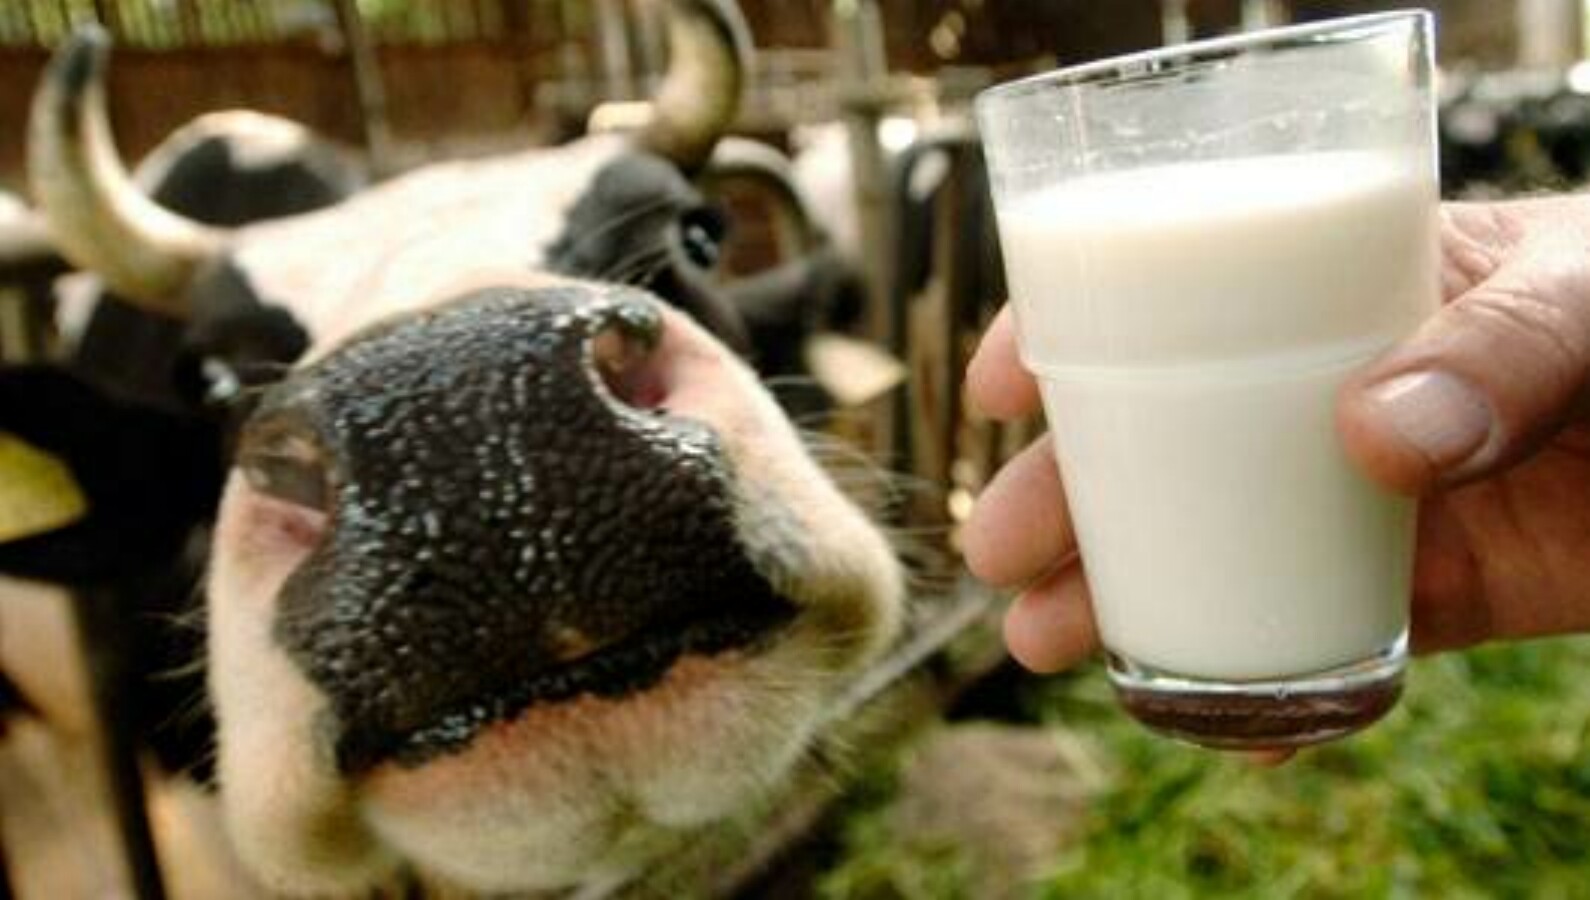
1262 715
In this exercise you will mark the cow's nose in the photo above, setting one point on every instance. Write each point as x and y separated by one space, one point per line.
281 455
283 451
624 355
509 510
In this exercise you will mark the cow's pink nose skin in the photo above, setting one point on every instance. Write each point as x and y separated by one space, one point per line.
631 362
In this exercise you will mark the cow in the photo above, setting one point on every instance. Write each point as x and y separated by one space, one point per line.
518 577
222 168
225 168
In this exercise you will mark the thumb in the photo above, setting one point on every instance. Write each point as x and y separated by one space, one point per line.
1492 376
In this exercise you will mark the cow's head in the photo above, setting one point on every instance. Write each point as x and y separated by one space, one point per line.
518 573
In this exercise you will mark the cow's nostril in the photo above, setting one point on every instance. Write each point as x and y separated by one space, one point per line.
283 459
624 353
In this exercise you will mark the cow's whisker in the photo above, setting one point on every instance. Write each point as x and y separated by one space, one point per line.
579 242
638 267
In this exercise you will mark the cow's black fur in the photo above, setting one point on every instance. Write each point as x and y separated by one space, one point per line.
132 415
210 176
787 304
216 180
148 475
642 223
151 478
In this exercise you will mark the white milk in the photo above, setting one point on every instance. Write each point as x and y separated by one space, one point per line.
1190 325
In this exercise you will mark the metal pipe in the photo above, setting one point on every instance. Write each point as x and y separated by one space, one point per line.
1261 14
863 68
1175 27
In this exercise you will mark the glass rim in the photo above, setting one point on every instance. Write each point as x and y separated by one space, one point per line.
1144 63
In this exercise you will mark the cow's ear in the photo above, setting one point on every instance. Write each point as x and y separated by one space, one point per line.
145 476
684 275
37 491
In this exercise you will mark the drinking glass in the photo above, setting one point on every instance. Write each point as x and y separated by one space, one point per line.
1202 242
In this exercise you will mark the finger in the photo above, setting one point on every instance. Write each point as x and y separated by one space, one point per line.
1490 377
1020 527
996 382
1050 627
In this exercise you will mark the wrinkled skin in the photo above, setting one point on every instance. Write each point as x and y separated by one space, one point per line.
1504 540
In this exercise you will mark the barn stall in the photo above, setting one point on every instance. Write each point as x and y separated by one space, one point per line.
864 107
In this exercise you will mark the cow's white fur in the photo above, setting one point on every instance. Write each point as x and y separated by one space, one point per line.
398 247
567 793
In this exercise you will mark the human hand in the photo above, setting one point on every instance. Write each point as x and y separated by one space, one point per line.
1484 413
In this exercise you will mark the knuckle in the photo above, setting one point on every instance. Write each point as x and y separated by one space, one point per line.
1520 324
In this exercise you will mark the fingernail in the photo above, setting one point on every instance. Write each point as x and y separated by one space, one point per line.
1437 413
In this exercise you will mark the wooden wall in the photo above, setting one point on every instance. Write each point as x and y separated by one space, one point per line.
435 93
450 94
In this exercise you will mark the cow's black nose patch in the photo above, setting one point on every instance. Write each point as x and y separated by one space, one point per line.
503 530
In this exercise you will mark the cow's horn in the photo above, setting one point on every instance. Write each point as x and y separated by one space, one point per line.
101 221
27 251
709 50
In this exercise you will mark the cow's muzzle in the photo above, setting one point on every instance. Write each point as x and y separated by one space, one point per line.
511 516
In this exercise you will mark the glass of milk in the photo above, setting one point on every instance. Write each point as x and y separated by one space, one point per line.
1202 242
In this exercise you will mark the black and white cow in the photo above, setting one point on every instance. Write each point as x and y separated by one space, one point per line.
518 574
227 169
144 371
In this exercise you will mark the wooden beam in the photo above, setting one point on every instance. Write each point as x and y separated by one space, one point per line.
612 45
365 69
188 22
1549 34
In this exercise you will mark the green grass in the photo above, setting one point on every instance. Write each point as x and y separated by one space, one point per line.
1478 785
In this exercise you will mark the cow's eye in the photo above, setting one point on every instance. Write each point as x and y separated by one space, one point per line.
701 231
285 460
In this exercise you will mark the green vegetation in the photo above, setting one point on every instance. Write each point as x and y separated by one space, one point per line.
1477 786
877 864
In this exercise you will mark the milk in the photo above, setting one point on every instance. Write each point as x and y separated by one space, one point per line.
1189 325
